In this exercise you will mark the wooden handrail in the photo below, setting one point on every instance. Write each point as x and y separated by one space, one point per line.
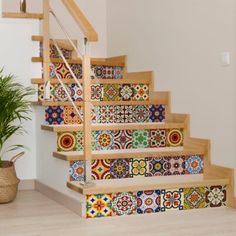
81 20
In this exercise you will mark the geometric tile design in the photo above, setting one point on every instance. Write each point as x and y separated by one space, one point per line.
194 198
41 89
156 167
99 205
77 171
71 117
157 113
54 53
119 169
54 115
76 92
123 139
60 93
157 138
80 141
174 166
123 114
106 114
140 138
194 165
96 92
141 92
118 72
172 199
148 201
216 196
66 141
126 92
100 169
141 114
139 167
124 204
175 137
111 92
104 140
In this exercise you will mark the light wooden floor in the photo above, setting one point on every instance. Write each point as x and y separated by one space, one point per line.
33 214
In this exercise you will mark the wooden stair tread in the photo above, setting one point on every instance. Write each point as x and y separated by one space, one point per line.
114 126
134 153
20 15
145 184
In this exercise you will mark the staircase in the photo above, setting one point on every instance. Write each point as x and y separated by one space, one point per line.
143 159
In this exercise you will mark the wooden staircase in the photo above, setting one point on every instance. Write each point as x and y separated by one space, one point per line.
143 159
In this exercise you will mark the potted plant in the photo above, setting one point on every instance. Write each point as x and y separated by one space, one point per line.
14 110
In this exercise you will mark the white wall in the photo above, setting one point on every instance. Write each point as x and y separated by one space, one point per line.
16 50
182 42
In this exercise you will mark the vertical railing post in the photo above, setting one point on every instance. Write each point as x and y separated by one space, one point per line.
46 49
87 110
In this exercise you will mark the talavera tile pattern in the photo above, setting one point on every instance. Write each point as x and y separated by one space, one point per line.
134 167
154 201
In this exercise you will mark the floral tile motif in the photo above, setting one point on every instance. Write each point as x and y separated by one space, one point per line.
55 54
101 169
172 199
104 140
194 165
157 138
106 114
107 72
60 93
41 90
99 205
80 141
141 92
66 142
175 138
62 71
156 167
148 201
97 71
157 113
77 70
119 168
111 92
140 139
76 92
124 203
139 167
194 198
141 114
215 196
123 139
174 165
126 92
54 115
97 92
77 171
118 72
123 114
70 116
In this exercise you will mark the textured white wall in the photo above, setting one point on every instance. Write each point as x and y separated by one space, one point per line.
182 41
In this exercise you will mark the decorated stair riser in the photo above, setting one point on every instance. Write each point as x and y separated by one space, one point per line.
144 167
66 115
54 53
101 72
154 201
99 92
122 139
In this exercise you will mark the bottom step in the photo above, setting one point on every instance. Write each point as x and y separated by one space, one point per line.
126 197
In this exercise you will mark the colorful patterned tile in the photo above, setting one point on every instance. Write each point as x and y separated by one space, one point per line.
156 167
174 165
77 171
215 196
76 92
175 138
106 114
124 203
140 138
70 116
139 167
80 141
118 72
126 92
123 114
148 201
97 92
194 165
107 72
99 205
101 169
157 138
63 71
119 168
172 199
111 92
54 115
55 54
97 71
77 70
141 92
41 90
194 198
157 113
60 93
123 139
66 142
141 113
104 140
52 69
